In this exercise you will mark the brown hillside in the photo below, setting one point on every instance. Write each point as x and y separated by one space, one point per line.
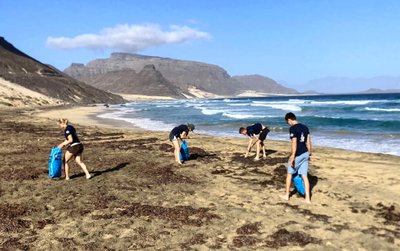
182 74
23 70
148 81
263 84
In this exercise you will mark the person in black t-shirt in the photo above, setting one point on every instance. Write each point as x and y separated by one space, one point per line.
74 148
257 134
176 136
300 154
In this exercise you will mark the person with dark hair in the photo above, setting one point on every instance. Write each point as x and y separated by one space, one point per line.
300 154
74 148
176 135
257 134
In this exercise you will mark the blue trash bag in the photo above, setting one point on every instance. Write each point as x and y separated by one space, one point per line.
55 163
298 184
184 152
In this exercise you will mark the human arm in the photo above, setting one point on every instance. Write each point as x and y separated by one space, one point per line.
66 142
184 135
293 151
253 140
309 144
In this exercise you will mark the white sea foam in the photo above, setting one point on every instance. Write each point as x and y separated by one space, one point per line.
206 111
328 117
360 144
343 102
144 123
242 104
291 101
284 107
382 109
241 116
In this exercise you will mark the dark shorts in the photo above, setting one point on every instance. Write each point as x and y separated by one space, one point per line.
172 137
263 134
76 149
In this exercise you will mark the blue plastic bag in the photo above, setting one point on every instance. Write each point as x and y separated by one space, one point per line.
184 152
298 184
55 162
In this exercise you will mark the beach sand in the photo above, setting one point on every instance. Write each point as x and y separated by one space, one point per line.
138 199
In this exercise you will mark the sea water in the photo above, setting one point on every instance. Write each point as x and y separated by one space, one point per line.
367 123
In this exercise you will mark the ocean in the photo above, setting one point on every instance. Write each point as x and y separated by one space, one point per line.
366 123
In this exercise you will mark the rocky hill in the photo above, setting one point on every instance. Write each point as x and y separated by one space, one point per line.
177 76
18 70
263 84
148 81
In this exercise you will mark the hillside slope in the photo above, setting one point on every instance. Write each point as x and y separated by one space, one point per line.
263 84
184 75
18 68
148 81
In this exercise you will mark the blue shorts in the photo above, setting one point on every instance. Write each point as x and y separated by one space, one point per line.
300 164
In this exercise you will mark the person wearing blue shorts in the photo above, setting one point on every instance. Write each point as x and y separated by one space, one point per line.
300 154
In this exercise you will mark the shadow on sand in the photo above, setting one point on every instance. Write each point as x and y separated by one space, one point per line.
313 182
98 173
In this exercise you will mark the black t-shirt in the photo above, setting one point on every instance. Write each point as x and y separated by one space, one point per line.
70 130
177 131
300 132
254 129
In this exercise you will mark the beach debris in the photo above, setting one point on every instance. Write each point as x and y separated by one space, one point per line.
251 228
185 215
283 237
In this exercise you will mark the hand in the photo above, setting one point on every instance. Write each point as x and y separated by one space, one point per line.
60 146
291 160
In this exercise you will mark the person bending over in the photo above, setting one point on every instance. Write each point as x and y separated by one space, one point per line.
257 134
176 136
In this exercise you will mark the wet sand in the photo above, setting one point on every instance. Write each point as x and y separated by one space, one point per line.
138 199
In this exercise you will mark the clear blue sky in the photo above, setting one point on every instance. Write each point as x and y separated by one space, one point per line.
289 41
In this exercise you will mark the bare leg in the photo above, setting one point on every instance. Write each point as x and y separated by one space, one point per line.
288 183
258 151
78 160
306 188
177 150
67 157
263 149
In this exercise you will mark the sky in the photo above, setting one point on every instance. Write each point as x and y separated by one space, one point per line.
290 41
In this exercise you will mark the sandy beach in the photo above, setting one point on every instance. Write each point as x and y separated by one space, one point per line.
138 199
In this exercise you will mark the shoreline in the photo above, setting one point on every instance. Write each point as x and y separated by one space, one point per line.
88 116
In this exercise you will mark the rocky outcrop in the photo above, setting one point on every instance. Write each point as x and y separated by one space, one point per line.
148 81
181 73
263 84
176 76
21 69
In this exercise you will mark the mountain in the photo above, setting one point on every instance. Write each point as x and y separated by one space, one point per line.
374 90
350 85
148 81
183 74
178 77
18 70
263 84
